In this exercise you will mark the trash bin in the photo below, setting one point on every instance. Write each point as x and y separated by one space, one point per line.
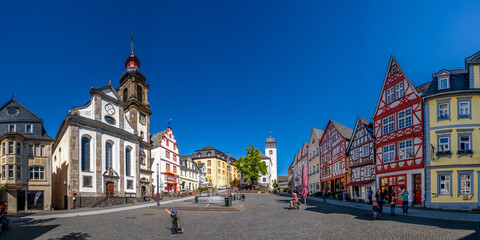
226 202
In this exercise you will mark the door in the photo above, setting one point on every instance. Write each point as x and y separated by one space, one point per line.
417 189
110 188
21 200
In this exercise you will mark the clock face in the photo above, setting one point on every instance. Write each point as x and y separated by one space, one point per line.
110 109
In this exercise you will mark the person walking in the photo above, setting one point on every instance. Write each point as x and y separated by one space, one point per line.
175 221
356 196
380 197
344 195
325 193
393 203
404 195
370 194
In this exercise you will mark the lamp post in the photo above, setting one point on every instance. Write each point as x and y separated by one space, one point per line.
228 174
158 185
66 192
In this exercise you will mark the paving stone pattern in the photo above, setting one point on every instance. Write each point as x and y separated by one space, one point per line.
262 217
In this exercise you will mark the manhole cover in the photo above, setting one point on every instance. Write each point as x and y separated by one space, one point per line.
132 217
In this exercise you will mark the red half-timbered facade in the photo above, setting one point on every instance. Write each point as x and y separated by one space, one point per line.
398 130
333 159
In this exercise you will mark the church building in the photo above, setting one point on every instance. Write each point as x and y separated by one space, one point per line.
102 148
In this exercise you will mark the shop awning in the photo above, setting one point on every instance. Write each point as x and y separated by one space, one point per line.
360 183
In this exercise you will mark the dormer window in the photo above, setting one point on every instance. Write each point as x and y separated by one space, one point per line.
443 83
11 128
28 128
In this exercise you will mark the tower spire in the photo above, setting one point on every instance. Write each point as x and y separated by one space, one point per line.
132 47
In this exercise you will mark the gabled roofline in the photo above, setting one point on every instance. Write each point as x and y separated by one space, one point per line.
13 100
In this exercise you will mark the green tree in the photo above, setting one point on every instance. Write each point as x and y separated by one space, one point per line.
275 184
251 166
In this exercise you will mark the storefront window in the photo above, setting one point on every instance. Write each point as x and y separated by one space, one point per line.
35 200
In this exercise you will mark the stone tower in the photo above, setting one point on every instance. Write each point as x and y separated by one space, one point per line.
134 91
271 152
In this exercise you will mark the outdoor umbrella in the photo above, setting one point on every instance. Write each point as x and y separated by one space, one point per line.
304 184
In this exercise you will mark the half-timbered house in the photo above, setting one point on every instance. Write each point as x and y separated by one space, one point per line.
333 159
361 153
398 131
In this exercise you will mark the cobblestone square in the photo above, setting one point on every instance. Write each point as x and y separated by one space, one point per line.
262 217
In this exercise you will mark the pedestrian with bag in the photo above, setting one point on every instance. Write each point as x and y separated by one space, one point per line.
175 221
380 197
404 194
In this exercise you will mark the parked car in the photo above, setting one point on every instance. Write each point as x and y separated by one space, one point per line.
222 187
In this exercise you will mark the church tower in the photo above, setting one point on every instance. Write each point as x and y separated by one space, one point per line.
271 152
134 91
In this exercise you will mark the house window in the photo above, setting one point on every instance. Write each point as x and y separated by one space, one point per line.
37 173
108 155
389 153
3 172
209 171
11 128
465 183
167 142
167 153
209 163
218 164
19 172
465 143
399 90
443 83
393 71
87 181
129 184
365 150
10 147
405 150
175 169
390 95
443 111
168 167
174 157
218 171
209 154
463 109
264 179
19 148
368 171
388 124
405 118
443 144
355 154
28 128
85 154
128 162
444 183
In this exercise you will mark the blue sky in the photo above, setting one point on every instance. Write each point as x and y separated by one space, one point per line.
228 72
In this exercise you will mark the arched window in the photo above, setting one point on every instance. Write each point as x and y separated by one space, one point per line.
139 93
125 94
85 154
128 163
108 155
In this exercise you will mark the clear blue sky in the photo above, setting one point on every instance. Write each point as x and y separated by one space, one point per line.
228 72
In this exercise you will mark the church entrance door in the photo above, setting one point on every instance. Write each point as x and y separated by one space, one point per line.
110 188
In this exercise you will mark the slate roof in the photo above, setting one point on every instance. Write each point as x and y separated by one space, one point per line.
282 179
263 156
344 131
23 112
475 58
156 138
208 148
458 81
422 89
270 139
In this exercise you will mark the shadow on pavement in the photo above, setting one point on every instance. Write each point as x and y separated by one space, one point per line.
368 216
73 236
20 230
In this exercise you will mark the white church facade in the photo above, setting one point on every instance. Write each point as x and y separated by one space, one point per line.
270 158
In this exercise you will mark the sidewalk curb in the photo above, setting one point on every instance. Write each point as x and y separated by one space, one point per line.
96 212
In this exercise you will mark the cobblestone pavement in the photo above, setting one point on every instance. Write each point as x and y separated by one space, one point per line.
262 217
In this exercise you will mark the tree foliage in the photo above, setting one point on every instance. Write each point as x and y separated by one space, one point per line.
251 166
275 184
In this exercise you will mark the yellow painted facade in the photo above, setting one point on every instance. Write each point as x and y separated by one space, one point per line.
217 171
453 143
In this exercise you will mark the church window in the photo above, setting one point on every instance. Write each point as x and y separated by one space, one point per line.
125 94
108 155
270 152
87 181
85 154
110 120
140 94
128 164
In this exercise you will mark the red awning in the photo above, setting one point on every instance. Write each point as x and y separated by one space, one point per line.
359 183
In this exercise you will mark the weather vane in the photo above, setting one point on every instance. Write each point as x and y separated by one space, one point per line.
132 47
169 120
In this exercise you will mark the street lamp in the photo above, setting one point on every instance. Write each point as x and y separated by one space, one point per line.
158 185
